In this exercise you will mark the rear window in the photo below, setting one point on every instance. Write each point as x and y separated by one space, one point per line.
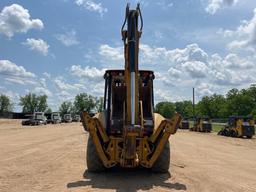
55 116
39 116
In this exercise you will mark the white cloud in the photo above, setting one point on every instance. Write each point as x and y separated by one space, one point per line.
245 34
233 61
42 81
16 19
38 45
214 5
11 69
204 89
177 70
149 55
153 55
63 86
47 75
92 6
15 74
13 95
65 95
196 69
42 91
174 72
68 39
192 62
165 4
91 73
243 38
229 70
162 95
112 53
68 91
20 81
192 59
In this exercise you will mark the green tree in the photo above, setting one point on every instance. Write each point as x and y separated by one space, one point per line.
203 107
66 108
99 104
218 106
166 109
32 103
239 102
48 110
42 103
214 106
185 108
5 104
84 102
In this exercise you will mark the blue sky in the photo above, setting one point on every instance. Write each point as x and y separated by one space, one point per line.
62 47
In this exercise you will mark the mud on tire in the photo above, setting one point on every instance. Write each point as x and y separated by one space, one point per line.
162 164
94 163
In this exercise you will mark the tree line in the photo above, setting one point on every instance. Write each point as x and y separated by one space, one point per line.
31 103
82 102
235 102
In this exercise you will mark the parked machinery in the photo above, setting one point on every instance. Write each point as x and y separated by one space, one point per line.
67 118
76 118
202 124
184 123
54 118
239 126
36 118
127 133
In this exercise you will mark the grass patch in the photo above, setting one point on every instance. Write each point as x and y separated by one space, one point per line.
217 127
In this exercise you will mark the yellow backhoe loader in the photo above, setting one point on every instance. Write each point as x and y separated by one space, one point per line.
128 133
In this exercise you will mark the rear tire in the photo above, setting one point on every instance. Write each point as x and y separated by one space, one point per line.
162 164
233 133
94 163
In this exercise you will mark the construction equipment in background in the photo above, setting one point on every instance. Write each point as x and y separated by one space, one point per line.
76 118
239 126
54 118
67 118
184 123
36 118
202 124
128 133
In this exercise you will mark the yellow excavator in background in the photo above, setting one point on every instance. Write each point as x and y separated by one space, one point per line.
128 133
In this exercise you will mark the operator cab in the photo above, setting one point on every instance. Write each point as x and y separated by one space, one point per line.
115 96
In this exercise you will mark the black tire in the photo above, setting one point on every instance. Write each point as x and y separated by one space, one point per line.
162 164
94 163
249 136
233 133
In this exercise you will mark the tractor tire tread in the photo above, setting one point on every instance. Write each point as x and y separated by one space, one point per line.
162 164
94 163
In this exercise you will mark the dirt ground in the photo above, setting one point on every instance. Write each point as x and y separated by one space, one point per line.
52 158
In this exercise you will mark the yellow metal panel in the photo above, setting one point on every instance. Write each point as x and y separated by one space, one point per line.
239 125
